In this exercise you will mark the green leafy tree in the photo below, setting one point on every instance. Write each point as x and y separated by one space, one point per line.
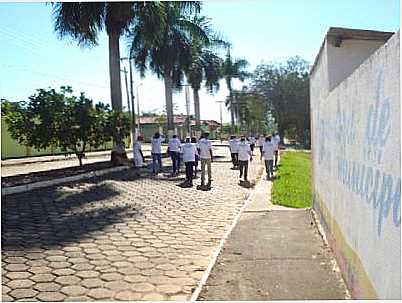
58 119
169 56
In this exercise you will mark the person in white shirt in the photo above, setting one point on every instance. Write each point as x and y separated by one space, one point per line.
206 157
244 156
156 153
260 144
252 141
233 145
189 151
174 153
268 149
197 156
138 156
276 139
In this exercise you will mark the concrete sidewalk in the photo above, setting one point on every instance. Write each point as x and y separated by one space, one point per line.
274 253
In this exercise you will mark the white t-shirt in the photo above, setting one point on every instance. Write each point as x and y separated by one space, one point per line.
156 145
252 140
276 139
268 149
189 151
205 147
174 145
137 154
234 146
244 151
260 141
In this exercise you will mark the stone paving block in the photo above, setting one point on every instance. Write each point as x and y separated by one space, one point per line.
111 277
117 285
63 272
142 287
92 283
43 278
51 296
68 280
6 298
100 293
87 274
22 293
169 289
135 278
16 267
25 283
153 297
47 287
18 275
73 290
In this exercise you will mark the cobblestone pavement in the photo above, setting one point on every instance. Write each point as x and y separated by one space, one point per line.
117 237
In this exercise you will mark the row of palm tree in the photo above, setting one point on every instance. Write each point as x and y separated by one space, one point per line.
170 39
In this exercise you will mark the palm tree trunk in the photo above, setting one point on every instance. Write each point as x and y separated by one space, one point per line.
197 109
114 70
169 101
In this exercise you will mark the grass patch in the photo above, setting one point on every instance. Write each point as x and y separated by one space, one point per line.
292 187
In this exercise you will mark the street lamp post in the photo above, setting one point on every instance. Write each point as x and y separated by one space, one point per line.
220 107
138 107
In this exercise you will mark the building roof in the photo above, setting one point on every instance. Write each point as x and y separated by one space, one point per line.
338 34
178 119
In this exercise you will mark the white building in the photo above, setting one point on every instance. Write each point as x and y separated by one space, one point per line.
355 130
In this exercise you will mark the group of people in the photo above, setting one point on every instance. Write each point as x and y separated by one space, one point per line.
242 152
190 152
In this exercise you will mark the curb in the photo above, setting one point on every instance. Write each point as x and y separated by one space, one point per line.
217 252
31 186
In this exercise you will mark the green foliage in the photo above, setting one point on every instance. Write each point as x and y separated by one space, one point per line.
59 119
286 89
292 187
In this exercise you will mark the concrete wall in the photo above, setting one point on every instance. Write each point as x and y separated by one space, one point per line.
356 168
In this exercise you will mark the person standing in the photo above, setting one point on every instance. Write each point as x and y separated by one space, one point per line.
268 149
206 158
138 156
197 157
234 151
244 156
260 144
276 139
156 153
189 151
174 152
252 141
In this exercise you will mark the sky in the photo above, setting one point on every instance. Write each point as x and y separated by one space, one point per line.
32 56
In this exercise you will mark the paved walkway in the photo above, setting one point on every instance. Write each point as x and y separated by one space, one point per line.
274 253
116 237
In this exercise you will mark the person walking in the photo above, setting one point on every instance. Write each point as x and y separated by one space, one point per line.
260 144
252 141
244 156
234 151
268 149
138 156
197 157
174 153
156 153
206 158
189 151
276 139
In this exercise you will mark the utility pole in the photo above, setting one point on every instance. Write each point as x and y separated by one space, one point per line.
187 93
132 101
220 107
138 108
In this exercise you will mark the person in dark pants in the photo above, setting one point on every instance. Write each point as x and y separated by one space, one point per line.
156 153
197 157
189 151
174 153
268 149
244 156
233 144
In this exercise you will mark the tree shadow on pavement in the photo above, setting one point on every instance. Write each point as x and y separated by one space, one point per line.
56 216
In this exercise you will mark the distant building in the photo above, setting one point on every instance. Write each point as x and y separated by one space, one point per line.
151 124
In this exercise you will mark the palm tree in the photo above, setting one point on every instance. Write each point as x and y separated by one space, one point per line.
170 55
206 64
233 69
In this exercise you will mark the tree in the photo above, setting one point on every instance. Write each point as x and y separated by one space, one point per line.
59 119
206 65
84 20
233 69
286 89
169 55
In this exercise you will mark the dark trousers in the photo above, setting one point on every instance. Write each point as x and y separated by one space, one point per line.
252 147
276 157
235 159
156 167
189 171
261 152
196 165
175 156
269 168
243 165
